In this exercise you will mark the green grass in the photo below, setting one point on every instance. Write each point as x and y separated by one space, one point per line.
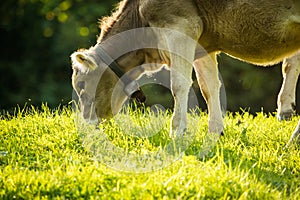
46 155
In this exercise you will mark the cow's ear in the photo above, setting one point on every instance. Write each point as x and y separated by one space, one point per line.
83 61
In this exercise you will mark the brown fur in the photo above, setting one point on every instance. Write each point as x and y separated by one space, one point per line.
228 31
263 32
125 17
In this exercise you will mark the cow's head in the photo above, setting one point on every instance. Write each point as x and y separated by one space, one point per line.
85 79
100 91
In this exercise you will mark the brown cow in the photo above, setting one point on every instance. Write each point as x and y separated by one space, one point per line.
262 33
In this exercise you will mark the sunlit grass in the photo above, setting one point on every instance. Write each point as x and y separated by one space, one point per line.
44 154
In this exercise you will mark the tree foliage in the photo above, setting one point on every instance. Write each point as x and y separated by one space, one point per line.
37 38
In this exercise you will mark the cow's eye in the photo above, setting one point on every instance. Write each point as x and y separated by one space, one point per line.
81 85
75 71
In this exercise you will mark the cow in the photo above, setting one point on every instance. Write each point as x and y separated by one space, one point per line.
263 33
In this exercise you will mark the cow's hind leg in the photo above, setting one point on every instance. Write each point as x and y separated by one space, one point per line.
286 98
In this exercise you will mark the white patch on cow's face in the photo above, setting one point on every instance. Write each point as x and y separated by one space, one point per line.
84 81
85 85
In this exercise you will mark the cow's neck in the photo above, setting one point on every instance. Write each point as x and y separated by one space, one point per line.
126 17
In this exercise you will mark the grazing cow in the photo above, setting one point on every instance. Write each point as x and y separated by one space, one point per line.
262 33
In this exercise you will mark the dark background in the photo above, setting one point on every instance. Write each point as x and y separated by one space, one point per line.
38 36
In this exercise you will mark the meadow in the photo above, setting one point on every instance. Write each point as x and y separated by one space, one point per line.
50 154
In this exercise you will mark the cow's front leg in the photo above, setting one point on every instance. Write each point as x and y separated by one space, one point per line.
181 81
207 75
181 50
180 86
286 98
181 31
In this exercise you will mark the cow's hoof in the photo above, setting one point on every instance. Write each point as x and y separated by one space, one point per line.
287 115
